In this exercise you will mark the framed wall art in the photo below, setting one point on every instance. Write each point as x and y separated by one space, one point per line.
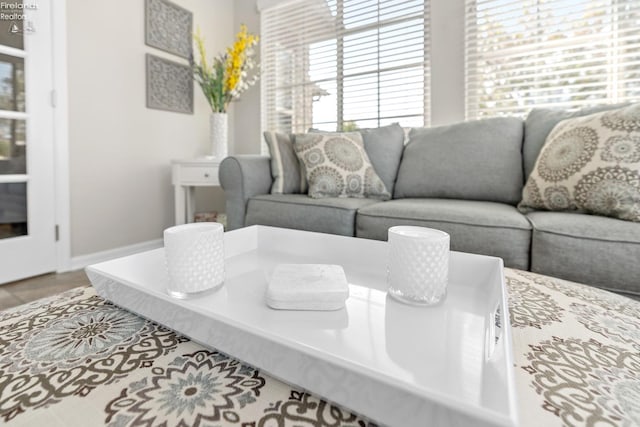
169 85
168 27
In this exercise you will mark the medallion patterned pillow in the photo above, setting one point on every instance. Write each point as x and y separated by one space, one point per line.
337 165
590 164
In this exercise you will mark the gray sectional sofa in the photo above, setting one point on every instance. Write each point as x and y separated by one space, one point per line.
465 179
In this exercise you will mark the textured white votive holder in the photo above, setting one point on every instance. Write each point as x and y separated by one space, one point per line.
194 255
418 265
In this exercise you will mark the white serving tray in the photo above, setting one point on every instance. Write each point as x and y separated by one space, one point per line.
400 365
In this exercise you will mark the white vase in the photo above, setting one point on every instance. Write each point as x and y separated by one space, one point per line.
218 135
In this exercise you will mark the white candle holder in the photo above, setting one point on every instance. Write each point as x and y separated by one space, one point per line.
418 265
194 255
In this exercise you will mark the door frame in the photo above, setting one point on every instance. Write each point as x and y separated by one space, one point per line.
60 99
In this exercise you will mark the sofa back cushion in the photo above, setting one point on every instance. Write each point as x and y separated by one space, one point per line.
384 146
477 160
539 124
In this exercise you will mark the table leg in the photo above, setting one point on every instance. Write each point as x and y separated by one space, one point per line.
191 203
180 203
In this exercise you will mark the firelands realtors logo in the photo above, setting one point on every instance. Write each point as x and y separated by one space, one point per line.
14 12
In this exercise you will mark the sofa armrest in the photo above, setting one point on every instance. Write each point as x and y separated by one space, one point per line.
243 177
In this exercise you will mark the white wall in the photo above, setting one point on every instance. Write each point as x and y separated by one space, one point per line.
447 61
119 150
247 110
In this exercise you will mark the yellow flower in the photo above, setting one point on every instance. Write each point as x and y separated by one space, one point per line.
226 80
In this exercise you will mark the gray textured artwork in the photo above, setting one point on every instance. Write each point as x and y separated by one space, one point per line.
169 27
169 85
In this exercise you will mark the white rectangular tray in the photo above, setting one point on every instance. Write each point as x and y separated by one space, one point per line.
398 364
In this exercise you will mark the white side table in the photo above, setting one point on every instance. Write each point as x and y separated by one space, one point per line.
185 176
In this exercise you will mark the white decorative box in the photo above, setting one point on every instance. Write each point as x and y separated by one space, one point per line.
445 365
307 287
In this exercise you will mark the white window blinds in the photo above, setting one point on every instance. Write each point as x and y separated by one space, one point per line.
344 64
522 54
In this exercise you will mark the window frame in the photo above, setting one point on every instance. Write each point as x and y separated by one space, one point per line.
271 91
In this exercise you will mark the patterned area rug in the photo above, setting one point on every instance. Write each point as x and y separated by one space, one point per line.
75 359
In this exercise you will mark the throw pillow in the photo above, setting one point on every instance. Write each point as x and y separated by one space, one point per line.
590 164
286 171
541 121
337 165
384 146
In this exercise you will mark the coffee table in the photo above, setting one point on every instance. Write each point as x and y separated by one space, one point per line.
398 364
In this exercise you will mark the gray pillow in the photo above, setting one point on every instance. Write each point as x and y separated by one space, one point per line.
288 176
384 146
539 124
477 160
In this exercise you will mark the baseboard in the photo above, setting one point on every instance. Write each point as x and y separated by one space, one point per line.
82 261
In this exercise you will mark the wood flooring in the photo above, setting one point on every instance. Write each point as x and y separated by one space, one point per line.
27 290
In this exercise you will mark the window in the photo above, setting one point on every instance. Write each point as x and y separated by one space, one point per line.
344 64
540 53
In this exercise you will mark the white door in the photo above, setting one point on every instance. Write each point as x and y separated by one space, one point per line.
27 213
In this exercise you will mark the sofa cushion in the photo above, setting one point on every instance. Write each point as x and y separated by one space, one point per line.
337 165
285 167
329 215
477 160
384 146
590 164
488 228
539 124
586 248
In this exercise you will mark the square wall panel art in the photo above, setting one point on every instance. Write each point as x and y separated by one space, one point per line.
169 27
169 85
